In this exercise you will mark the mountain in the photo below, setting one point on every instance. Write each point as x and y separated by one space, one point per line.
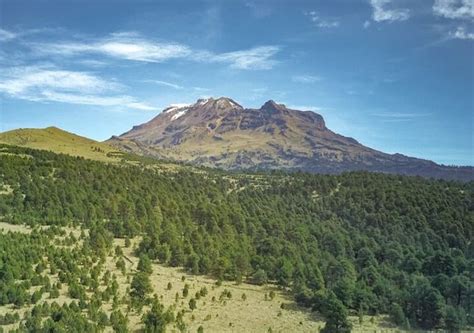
60 141
221 133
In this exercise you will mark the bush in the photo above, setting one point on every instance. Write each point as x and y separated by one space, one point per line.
271 294
260 277
203 291
336 315
118 322
397 316
192 304
185 290
455 319
157 319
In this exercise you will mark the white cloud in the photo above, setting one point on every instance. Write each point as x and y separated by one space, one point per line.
51 84
366 24
164 83
462 33
382 13
27 78
6 35
327 24
201 89
322 22
454 9
305 78
259 9
71 98
398 116
130 46
305 108
144 51
92 63
255 58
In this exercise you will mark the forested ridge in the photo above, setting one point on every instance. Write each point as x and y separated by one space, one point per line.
351 243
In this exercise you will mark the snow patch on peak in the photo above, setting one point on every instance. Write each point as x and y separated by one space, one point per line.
179 114
202 101
228 102
180 105
174 107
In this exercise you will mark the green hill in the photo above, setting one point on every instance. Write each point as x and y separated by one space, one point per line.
60 141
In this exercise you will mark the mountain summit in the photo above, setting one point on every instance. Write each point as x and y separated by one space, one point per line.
221 133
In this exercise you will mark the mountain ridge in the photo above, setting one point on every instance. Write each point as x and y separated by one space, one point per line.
222 133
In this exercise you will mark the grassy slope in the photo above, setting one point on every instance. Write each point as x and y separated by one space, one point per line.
62 142
59 141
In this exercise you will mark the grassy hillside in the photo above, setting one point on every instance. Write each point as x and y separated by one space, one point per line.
60 141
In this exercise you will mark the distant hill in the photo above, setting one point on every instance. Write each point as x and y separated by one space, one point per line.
60 141
221 133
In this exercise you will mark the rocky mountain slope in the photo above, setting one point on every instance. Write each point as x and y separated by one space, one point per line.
221 133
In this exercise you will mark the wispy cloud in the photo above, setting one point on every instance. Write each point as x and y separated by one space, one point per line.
398 116
462 33
201 89
166 84
305 78
25 79
460 11
122 45
256 58
305 108
382 12
131 46
321 22
259 9
43 84
6 35
92 63
454 9
110 101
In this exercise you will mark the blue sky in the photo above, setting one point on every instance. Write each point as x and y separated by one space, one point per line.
397 75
